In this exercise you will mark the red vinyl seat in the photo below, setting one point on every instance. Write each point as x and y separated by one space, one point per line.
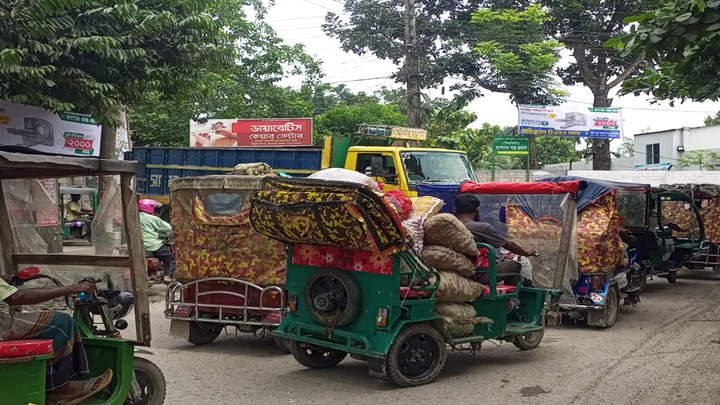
12 349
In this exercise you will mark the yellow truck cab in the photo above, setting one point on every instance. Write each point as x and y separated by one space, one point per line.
388 154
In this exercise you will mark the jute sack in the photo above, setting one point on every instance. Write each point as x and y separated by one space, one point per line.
459 319
445 259
426 206
456 288
446 230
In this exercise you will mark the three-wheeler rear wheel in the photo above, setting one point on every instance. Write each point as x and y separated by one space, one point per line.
283 344
529 341
204 333
312 356
416 356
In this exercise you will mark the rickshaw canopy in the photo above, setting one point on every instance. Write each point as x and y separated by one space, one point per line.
330 213
593 189
17 163
540 187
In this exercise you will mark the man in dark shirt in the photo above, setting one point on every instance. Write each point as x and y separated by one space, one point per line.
467 207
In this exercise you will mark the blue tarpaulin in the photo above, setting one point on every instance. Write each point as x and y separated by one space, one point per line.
595 188
445 192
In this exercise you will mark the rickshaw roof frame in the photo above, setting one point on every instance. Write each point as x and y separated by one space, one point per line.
70 190
24 163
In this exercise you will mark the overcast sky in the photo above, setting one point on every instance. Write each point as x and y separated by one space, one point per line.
299 21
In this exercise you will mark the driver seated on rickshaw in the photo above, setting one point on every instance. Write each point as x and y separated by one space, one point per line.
69 359
76 213
467 208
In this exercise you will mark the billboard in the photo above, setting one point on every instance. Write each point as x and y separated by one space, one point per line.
260 132
589 122
42 130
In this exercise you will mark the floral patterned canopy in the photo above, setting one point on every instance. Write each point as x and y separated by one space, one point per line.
327 213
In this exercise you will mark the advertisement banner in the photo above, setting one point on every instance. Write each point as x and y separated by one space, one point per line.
42 130
589 122
260 132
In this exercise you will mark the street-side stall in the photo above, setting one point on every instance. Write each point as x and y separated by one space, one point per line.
99 315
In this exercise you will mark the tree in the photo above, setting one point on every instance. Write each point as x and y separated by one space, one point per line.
95 56
712 119
680 42
244 88
520 57
626 149
583 26
344 119
557 149
700 158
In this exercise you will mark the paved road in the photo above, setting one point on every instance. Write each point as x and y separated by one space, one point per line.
660 352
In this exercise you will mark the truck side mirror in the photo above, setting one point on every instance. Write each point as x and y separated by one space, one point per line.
377 166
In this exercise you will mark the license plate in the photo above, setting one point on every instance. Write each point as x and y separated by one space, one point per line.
183 311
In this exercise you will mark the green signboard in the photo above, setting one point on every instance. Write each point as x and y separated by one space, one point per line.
511 146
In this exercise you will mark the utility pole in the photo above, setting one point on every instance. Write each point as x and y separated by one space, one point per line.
412 66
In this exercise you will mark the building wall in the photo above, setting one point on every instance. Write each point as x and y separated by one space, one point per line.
692 139
618 164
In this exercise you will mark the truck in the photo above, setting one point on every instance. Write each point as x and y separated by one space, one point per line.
388 154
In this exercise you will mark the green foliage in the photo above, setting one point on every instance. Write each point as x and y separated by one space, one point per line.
447 38
344 119
95 56
626 149
247 88
518 54
704 159
680 43
557 149
712 119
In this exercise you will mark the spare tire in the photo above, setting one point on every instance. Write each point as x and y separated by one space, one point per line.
332 297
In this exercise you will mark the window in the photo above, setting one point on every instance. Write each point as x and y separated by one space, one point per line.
652 153
364 161
223 204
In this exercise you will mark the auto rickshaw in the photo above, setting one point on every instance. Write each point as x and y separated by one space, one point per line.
76 229
355 286
700 217
136 380
227 274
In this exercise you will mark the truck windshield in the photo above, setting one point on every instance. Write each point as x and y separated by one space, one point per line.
437 167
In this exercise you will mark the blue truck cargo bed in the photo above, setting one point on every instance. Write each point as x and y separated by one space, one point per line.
166 164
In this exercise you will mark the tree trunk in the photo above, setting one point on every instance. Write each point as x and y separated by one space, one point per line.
601 147
104 244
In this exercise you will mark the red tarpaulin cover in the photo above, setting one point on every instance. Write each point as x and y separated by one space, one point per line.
535 187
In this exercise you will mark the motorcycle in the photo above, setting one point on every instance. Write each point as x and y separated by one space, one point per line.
137 380
155 269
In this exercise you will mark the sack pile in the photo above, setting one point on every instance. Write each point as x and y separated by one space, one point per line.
449 247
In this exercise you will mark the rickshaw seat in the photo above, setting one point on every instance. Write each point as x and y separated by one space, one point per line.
501 289
407 292
12 349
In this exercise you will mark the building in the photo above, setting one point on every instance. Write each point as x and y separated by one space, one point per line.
664 148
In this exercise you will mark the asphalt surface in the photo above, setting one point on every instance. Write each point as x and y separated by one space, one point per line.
660 352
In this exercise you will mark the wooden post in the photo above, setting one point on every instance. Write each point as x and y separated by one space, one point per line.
136 252
6 236
569 208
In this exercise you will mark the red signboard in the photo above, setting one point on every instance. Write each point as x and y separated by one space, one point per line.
273 132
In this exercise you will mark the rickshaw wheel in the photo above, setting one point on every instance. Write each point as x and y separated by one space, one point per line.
283 344
311 357
203 333
151 381
612 302
672 277
529 341
416 356
333 297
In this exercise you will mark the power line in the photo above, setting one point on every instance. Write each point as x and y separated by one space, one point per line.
652 109
296 18
321 6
